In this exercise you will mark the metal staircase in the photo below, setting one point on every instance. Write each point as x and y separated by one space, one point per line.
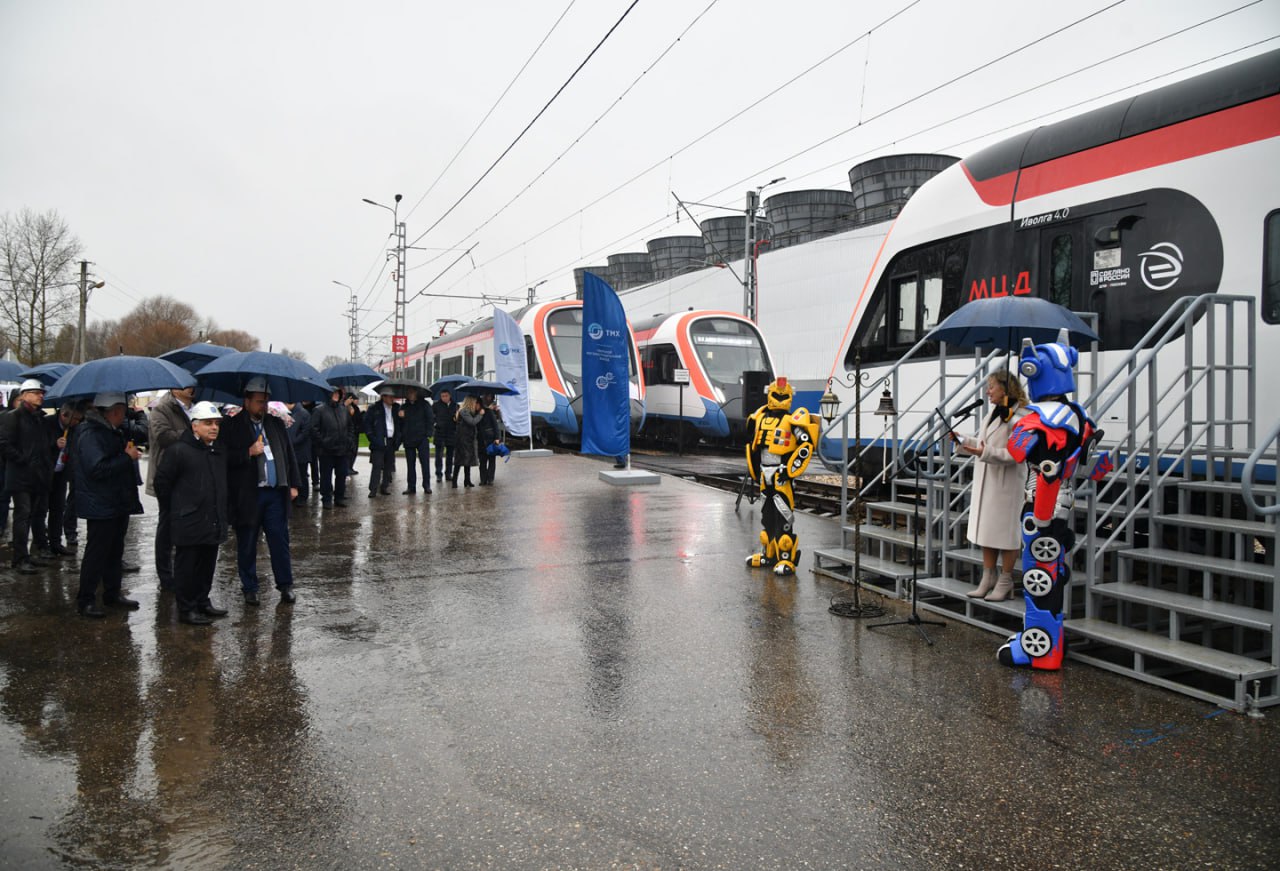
1174 568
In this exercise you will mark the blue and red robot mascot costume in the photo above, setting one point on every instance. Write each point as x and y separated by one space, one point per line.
1054 440
780 444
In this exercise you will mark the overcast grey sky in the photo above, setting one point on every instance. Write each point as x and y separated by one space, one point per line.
218 153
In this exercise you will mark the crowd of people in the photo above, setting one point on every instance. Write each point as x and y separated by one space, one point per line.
213 472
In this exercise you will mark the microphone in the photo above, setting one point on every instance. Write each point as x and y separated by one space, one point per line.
969 409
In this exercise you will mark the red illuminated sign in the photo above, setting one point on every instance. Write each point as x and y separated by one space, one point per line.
399 344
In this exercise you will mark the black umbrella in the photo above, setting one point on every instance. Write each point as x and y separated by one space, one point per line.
477 388
350 375
399 387
288 380
47 373
194 357
448 382
1003 322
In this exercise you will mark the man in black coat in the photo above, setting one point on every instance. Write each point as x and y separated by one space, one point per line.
300 435
27 451
60 427
105 464
262 482
191 485
330 424
416 422
445 432
382 426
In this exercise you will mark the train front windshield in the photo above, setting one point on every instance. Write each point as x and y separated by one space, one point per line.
727 348
564 326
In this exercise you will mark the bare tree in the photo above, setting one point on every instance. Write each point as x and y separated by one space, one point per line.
156 325
297 355
37 252
238 339
331 360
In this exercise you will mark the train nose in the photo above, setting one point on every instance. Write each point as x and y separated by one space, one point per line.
637 415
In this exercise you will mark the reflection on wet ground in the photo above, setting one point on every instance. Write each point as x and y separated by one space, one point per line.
554 673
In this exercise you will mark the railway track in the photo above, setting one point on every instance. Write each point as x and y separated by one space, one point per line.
725 470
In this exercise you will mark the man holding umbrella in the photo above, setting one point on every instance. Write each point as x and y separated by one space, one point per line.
382 424
262 482
29 457
170 421
107 479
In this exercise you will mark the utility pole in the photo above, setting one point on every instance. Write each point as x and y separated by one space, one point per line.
749 280
85 287
352 331
401 338
748 263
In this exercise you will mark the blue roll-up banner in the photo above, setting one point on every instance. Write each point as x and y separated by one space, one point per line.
606 394
511 367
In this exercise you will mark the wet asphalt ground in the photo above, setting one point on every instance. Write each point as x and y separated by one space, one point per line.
556 673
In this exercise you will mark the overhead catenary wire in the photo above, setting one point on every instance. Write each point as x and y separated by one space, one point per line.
492 108
559 270
529 126
807 71
613 105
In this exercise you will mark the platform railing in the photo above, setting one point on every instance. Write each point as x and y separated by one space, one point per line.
1145 447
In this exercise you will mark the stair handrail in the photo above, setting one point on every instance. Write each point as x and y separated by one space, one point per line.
1178 322
1247 476
1165 328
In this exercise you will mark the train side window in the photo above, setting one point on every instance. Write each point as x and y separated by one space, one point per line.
469 361
905 311
535 371
1271 269
1060 259
480 366
932 298
660 363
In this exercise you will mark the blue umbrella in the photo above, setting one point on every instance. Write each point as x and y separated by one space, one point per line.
47 373
448 382
288 380
478 387
351 375
11 371
196 356
123 374
1003 322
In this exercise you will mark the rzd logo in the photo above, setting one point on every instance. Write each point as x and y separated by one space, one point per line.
1161 266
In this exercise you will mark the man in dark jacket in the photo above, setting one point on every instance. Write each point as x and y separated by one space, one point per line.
168 424
416 422
330 424
60 427
300 435
106 471
262 482
191 485
27 451
445 429
382 426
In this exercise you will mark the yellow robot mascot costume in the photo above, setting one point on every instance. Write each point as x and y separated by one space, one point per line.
780 444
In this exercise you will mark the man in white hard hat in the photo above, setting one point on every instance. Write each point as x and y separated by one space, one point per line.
168 422
28 455
191 485
262 482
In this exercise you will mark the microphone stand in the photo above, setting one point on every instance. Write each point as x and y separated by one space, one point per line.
914 619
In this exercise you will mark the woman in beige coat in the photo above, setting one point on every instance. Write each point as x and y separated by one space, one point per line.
999 485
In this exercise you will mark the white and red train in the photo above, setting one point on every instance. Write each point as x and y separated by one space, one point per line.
553 345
